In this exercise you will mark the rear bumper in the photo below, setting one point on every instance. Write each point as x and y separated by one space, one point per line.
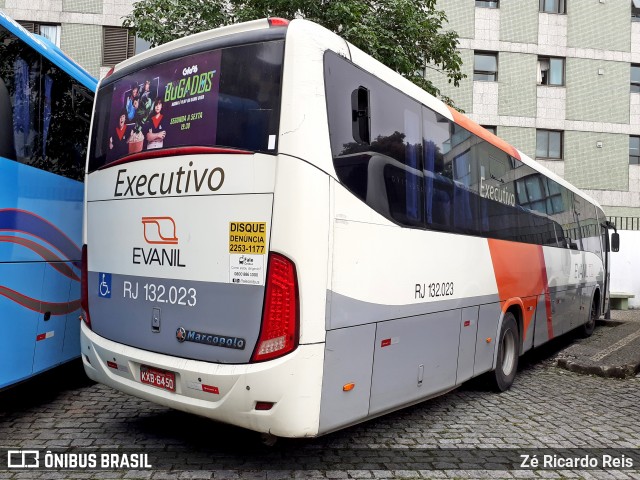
293 383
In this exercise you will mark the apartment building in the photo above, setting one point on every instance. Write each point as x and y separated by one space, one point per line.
88 31
560 80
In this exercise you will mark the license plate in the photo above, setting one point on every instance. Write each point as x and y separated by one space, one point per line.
158 378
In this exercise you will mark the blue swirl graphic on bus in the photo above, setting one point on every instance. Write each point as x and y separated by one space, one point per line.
21 224
22 221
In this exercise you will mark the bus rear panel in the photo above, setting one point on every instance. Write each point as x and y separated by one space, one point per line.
187 301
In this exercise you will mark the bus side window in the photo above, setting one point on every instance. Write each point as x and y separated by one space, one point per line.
376 141
7 148
439 187
20 70
82 102
65 111
25 94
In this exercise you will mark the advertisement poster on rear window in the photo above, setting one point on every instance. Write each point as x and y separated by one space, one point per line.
171 104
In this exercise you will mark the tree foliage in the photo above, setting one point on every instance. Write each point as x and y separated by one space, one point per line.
405 35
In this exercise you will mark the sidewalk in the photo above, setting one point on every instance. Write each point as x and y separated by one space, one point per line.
612 351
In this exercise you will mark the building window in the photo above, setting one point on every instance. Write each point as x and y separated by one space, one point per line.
549 144
487 4
48 30
635 78
491 128
485 66
634 150
553 6
635 10
550 71
118 44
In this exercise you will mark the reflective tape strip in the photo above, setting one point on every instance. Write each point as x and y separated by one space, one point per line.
44 336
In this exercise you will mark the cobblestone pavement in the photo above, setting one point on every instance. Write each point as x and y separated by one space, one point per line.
547 407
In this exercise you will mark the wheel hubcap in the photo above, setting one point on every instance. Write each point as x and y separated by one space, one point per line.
508 352
592 320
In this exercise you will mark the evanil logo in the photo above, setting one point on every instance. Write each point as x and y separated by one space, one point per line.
158 231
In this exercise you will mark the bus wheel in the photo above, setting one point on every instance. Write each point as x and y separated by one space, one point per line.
268 439
587 329
507 361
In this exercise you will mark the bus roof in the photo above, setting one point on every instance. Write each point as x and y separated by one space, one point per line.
48 50
195 39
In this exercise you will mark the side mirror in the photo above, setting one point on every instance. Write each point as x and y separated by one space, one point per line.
615 242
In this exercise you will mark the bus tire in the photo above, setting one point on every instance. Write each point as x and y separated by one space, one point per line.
586 330
268 439
502 377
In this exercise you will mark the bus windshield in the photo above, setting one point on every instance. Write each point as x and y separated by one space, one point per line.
227 97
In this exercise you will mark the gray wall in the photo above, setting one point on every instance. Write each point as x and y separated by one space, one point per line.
621 211
518 21
82 6
524 139
84 44
589 24
462 95
461 16
516 76
590 167
597 97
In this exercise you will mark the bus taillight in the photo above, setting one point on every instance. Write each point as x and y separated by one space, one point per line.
84 289
280 318
278 22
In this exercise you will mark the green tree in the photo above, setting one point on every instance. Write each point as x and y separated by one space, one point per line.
405 35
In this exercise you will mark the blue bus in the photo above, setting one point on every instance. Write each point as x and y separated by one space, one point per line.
45 109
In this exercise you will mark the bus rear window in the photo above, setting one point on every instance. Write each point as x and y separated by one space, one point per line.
227 97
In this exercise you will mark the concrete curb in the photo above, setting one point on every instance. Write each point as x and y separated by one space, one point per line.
613 371
612 351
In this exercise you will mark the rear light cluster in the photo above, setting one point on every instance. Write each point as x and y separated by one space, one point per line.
278 22
84 289
280 317
264 406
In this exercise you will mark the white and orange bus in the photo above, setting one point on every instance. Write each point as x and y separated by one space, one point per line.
292 238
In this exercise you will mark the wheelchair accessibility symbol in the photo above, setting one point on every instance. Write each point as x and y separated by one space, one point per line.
104 285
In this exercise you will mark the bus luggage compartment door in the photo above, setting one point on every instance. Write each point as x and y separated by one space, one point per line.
346 380
406 348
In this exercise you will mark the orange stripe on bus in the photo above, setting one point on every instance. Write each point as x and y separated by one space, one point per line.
476 129
521 272
547 296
